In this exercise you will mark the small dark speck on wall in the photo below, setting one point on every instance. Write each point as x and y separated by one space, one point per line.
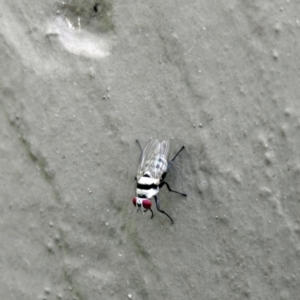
96 7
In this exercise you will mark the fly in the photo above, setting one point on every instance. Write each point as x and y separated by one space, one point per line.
151 173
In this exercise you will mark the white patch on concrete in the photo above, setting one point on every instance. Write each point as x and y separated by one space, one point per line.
79 41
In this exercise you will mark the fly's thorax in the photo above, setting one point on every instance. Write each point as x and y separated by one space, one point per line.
148 186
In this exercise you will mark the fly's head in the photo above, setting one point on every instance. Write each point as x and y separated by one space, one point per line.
141 203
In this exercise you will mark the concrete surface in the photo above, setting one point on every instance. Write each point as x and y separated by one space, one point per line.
80 83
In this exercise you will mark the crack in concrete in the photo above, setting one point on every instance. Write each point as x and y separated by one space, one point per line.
36 157
48 176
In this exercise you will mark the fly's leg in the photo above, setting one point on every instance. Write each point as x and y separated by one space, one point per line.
170 190
139 146
141 155
151 212
162 211
164 175
177 154
172 160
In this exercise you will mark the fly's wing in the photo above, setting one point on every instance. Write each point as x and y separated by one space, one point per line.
148 152
154 159
160 163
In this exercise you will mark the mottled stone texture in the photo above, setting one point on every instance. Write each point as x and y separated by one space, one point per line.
81 81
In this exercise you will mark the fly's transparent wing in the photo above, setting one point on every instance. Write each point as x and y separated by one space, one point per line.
160 164
154 159
148 152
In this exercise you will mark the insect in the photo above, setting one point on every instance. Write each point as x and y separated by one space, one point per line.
151 173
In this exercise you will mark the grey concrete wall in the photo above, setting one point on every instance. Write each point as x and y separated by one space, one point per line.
80 83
